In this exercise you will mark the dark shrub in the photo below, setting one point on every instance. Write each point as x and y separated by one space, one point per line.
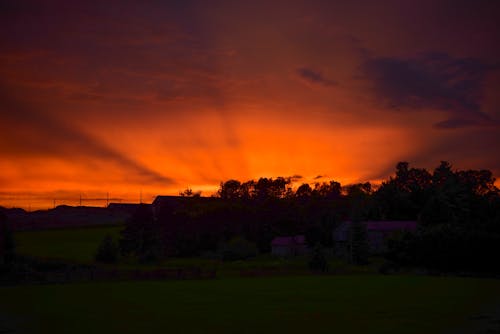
108 250
360 247
7 244
238 249
318 261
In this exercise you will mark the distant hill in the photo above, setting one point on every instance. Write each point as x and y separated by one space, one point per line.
8 211
65 216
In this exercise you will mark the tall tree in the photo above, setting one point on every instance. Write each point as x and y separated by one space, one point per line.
230 190
360 248
7 244
108 250
142 235
304 191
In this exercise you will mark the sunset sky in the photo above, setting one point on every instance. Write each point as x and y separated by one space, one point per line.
155 96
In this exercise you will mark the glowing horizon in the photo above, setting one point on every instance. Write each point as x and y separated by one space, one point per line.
97 99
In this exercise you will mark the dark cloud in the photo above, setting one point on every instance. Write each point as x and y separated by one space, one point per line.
433 81
314 77
128 49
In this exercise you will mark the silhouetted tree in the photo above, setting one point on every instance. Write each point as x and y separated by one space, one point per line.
401 249
258 211
450 201
271 189
359 200
230 190
238 248
319 230
443 175
331 190
359 243
304 191
141 236
318 261
478 182
404 196
247 189
188 192
7 244
411 179
459 214
108 250
438 210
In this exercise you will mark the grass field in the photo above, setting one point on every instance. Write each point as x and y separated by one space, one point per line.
293 304
77 244
309 304
80 244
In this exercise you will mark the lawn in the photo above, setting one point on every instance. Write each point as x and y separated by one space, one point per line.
76 244
303 304
80 244
285 304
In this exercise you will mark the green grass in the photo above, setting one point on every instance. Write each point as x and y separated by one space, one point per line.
320 304
77 244
80 244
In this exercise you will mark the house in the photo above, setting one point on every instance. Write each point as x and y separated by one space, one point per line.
378 232
289 246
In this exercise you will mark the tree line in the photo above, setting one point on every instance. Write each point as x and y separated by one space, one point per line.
458 212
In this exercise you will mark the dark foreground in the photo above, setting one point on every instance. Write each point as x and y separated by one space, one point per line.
319 304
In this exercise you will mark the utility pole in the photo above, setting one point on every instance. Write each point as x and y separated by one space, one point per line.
140 197
107 199
80 199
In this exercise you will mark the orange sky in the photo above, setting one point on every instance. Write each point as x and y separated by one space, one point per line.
154 98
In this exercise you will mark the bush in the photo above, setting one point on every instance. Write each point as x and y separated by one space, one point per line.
388 268
108 251
7 244
142 237
401 249
360 247
238 249
318 261
445 248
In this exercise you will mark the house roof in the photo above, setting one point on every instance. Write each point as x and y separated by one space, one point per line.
289 241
